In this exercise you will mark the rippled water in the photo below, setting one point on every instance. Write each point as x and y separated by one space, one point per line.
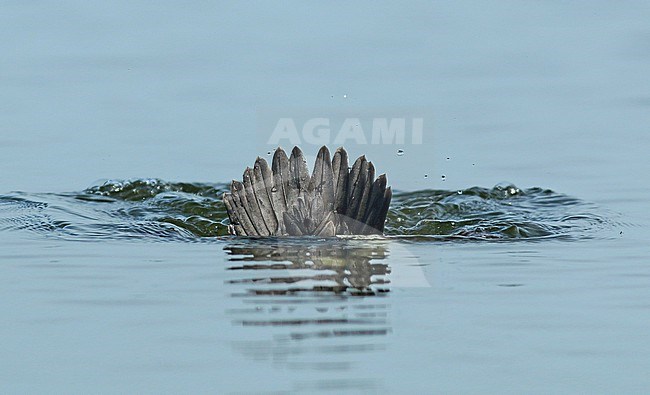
157 210
95 300
133 286
304 313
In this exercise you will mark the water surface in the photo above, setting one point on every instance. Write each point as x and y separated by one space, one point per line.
516 256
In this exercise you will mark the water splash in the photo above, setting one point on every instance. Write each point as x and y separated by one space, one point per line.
503 212
156 210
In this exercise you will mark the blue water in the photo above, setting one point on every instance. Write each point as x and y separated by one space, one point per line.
146 296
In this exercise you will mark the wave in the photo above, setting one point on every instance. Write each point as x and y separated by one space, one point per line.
156 210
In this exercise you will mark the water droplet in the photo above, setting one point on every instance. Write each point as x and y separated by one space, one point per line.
400 152
274 189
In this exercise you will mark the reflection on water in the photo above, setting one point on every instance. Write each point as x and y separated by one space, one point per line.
318 304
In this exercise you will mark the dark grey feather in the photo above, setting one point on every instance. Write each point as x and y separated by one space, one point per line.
284 200
326 228
341 174
375 205
298 176
380 220
375 201
235 223
367 182
252 206
292 225
262 185
358 176
240 202
322 180
280 170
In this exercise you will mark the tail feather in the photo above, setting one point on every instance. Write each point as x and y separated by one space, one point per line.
298 175
327 227
322 179
262 186
355 186
285 201
280 170
375 206
235 223
253 206
292 226
375 200
367 178
340 168
380 219
240 202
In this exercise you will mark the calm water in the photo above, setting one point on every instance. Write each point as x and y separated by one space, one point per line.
524 269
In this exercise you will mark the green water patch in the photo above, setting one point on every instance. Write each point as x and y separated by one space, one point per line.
157 210
502 212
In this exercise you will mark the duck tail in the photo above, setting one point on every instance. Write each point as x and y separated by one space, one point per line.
284 200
